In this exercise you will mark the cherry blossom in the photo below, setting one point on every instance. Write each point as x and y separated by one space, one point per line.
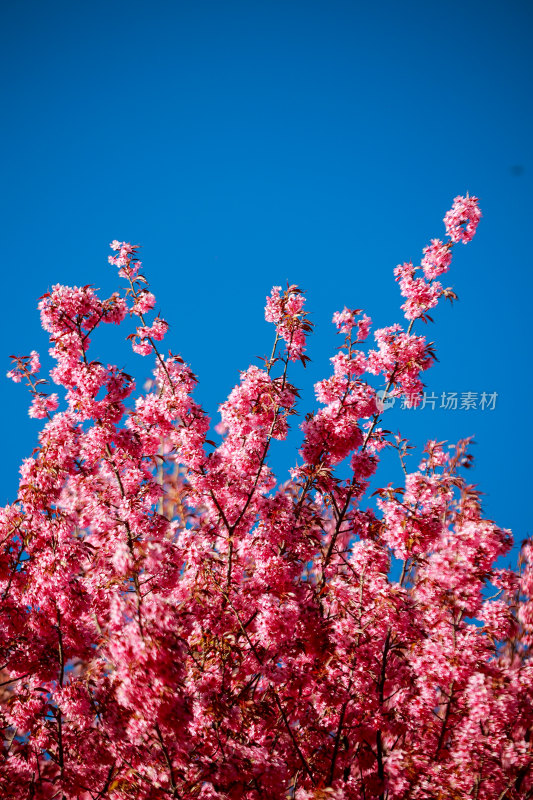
177 622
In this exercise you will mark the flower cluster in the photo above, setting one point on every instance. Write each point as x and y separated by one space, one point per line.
400 358
418 284
346 320
421 294
437 259
462 219
175 622
291 321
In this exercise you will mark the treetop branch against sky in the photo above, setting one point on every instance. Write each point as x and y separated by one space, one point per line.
247 144
178 623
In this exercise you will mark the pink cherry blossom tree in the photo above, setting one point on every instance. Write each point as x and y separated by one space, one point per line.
177 623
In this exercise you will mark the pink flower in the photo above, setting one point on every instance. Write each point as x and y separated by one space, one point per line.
42 406
421 295
35 364
437 259
274 306
144 303
345 319
156 331
286 312
462 219
143 348
15 375
363 328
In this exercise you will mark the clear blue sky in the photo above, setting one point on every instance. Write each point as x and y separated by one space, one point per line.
249 143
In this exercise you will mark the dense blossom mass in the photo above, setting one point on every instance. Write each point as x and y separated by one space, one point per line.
177 623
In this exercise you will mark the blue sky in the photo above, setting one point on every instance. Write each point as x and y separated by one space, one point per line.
245 144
